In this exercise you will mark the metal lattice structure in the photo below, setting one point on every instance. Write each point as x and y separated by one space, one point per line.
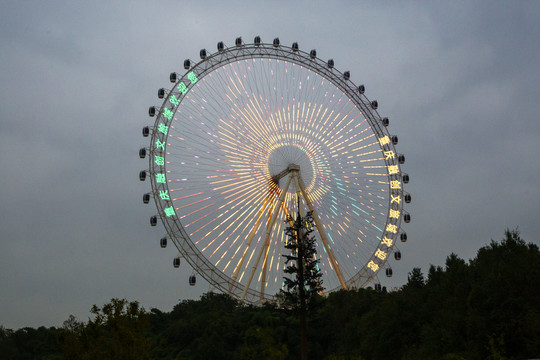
244 134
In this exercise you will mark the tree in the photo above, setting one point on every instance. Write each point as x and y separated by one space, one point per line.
504 297
303 266
119 330
30 343
415 279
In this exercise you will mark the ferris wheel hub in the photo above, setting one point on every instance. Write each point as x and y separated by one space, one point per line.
293 167
286 158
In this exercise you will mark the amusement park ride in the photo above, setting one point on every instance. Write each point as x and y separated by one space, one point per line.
244 133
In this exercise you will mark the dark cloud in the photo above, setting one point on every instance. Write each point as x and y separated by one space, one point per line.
459 83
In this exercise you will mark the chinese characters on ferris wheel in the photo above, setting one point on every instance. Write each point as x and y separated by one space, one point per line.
159 160
392 227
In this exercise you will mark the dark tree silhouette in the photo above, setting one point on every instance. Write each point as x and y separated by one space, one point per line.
483 308
302 246
305 281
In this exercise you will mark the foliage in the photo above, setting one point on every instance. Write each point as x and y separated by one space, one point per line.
118 330
29 343
305 280
486 308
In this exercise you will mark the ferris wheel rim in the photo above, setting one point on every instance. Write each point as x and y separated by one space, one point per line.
174 226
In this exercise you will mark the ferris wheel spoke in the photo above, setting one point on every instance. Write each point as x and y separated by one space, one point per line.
250 238
265 261
225 209
267 238
321 231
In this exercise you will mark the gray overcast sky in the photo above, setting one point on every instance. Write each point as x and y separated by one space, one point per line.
459 80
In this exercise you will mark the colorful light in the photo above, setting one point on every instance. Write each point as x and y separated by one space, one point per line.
236 129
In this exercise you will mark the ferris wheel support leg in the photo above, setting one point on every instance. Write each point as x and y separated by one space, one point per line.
264 269
250 239
321 230
266 240
265 261
287 214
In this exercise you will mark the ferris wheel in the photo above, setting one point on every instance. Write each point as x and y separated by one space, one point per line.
255 132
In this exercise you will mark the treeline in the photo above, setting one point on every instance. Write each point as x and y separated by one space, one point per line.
486 308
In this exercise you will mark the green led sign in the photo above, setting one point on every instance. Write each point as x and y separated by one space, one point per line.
168 113
173 100
160 145
160 178
159 160
163 128
164 195
191 76
182 88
